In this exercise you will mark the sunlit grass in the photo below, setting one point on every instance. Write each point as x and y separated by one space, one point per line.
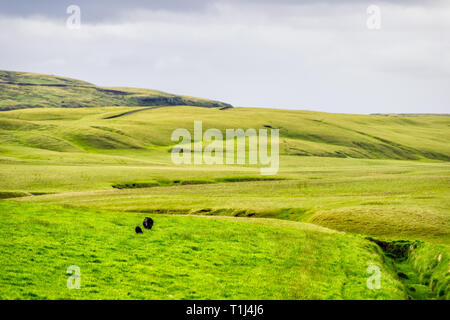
180 258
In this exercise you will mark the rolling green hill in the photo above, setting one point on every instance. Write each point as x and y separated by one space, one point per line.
19 90
302 133
351 191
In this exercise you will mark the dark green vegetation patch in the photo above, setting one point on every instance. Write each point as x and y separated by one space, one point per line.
184 182
423 268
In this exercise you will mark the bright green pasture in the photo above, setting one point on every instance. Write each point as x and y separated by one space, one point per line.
386 198
181 258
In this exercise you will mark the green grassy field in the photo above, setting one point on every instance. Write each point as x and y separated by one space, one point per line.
182 258
76 181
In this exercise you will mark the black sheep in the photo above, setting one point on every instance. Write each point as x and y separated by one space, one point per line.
148 223
138 230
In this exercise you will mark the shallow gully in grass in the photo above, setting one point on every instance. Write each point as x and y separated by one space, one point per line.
193 181
418 266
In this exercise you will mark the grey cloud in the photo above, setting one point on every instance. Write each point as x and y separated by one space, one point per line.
108 10
319 57
93 11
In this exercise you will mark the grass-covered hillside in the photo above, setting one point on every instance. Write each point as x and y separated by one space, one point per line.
302 133
19 90
352 191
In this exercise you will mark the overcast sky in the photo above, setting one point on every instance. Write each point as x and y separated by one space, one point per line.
290 54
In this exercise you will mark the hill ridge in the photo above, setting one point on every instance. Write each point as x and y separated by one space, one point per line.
21 90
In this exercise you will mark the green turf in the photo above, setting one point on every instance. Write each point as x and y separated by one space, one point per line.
181 258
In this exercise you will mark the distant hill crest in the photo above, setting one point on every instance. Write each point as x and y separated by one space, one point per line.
21 90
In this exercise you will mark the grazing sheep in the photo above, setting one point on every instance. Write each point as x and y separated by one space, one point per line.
138 230
148 223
